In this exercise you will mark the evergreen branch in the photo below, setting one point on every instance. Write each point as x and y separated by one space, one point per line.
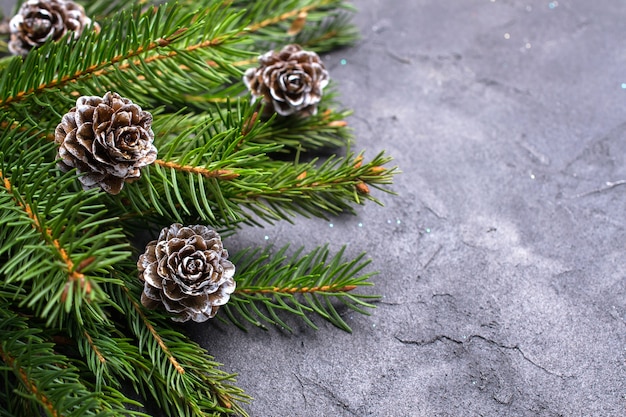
199 151
74 275
96 69
325 131
50 378
300 285
154 333
309 190
51 261
190 70
30 385
91 56
286 16
64 257
200 387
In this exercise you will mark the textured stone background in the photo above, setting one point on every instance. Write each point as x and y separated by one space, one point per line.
502 258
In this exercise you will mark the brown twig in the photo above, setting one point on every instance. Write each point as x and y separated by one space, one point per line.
30 385
155 334
74 275
296 290
94 347
223 174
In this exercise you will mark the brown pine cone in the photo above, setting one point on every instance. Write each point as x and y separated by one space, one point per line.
187 271
107 139
289 82
40 20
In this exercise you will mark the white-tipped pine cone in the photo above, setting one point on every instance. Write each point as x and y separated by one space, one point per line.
40 20
107 139
187 271
289 82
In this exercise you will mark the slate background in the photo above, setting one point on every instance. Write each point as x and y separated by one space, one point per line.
501 258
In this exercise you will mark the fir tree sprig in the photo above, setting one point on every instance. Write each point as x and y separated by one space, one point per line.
69 292
272 284
53 253
50 380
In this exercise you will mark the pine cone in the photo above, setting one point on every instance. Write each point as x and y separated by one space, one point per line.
289 82
40 20
186 270
107 139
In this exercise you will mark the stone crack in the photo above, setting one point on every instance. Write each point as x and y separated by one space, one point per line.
444 338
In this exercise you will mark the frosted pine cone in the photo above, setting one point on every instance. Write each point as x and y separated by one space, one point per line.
289 82
40 20
187 271
107 139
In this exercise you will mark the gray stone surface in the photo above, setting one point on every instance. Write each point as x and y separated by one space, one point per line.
502 258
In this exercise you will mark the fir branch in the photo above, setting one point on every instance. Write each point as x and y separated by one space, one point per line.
74 275
299 285
286 15
65 252
28 384
91 54
96 69
50 378
56 263
155 334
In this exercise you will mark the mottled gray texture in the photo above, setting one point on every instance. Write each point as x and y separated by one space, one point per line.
502 258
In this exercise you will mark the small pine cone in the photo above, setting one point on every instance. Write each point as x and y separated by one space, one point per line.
288 82
187 271
107 139
40 20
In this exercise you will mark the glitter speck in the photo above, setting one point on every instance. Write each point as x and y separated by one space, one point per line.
398 221
528 45
553 4
532 176
427 230
331 225
267 237
388 221
360 224
507 35
624 86
343 62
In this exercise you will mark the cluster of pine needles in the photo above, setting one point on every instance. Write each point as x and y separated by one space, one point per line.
74 339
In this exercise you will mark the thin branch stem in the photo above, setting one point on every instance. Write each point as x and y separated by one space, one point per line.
73 274
281 18
95 69
30 385
224 174
154 333
101 358
296 290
